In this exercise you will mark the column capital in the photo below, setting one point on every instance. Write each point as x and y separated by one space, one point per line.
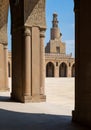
5 46
4 43
76 5
27 31
42 33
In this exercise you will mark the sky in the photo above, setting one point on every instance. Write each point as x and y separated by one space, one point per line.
64 9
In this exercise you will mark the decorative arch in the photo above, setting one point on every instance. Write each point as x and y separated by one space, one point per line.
73 70
50 69
63 70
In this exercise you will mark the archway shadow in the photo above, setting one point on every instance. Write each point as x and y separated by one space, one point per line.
5 99
8 99
5 96
11 120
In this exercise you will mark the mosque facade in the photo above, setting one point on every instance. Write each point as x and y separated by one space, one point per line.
57 62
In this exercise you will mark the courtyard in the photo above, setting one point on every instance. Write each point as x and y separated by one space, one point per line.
54 114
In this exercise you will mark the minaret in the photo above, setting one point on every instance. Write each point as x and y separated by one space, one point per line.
55 31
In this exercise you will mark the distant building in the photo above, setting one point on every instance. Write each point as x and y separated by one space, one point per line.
57 62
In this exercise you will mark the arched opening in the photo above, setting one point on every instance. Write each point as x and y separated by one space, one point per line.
50 69
73 70
63 70
61 88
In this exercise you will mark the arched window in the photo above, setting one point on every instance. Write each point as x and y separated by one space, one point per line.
50 69
63 70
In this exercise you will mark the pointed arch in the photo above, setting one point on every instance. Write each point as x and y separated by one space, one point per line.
63 70
50 69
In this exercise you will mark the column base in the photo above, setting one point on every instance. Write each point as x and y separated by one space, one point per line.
43 98
39 98
20 98
36 98
27 99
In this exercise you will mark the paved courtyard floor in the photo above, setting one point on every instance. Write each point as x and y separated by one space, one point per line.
54 114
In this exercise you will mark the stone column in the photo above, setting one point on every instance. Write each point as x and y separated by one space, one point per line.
69 70
56 69
42 62
26 28
82 112
77 40
6 65
27 64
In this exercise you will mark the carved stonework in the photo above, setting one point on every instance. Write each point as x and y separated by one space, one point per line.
37 13
3 34
27 32
42 34
4 4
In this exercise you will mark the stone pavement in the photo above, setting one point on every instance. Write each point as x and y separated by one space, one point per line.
54 114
